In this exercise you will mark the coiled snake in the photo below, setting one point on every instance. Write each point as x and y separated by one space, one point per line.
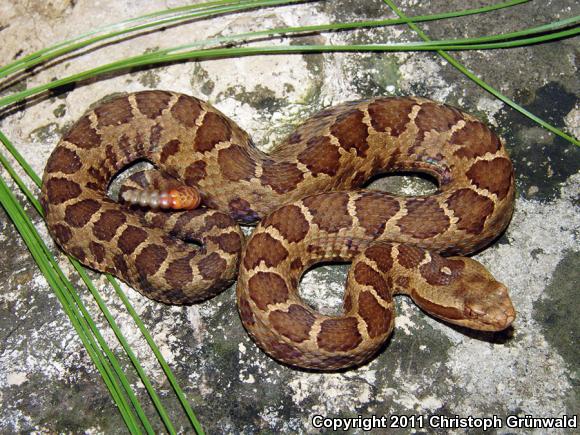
305 192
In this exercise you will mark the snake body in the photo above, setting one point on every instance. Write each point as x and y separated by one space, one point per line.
306 196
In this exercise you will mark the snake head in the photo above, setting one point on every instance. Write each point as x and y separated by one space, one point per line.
460 291
492 310
486 302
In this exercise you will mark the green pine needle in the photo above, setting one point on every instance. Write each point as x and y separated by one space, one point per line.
75 303
453 61
122 29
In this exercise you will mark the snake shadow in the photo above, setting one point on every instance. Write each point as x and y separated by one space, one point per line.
500 337
494 337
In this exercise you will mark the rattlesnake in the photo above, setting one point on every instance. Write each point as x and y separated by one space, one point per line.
307 191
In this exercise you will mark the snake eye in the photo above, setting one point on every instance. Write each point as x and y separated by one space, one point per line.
445 270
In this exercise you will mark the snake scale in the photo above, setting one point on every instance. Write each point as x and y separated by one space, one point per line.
306 199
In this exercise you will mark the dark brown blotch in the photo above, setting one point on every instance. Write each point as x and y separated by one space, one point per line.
438 117
216 220
179 272
115 112
329 211
320 156
212 266
296 265
236 163
339 335
80 213
121 267
95 187
494 175
186 110
424 219
381 255
83 135
316 251
475 139
195 172
98 251
125 145
365 275
169 149
263 247
285 352
351 132
108 224
347 304
150 259
281 177
229 242
62 233
289 221
266 288
377 318
391 114
182 228
131 238
79 253
59 190
152 103
246 312
373 212
214 129
294 324
63 160
410 256
471 209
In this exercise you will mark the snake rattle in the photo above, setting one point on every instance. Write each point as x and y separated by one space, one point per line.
306 196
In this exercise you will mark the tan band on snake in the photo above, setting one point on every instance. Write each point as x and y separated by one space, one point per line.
306 191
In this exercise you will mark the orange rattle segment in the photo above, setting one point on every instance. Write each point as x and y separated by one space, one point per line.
184 198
